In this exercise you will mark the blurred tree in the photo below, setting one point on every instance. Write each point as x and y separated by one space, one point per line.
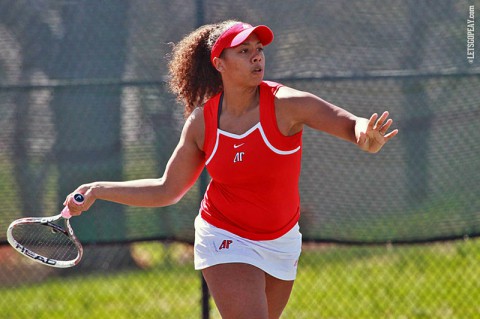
29 172
416 136
90 50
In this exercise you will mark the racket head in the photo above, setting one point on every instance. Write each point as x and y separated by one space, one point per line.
46 240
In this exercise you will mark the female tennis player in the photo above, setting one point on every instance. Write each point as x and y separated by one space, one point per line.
247 132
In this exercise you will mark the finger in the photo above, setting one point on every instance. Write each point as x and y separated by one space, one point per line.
381 120
371 122
67 200
391 134
385 127
87 202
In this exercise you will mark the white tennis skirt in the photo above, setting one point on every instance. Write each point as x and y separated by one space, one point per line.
278 257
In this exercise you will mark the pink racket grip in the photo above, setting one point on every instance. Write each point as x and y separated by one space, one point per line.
77 199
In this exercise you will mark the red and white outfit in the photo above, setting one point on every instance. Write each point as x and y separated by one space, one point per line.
251 208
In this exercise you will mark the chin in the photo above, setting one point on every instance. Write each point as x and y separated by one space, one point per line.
258 79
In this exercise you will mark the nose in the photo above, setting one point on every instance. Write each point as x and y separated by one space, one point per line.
257 57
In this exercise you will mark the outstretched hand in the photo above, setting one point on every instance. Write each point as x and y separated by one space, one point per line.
372 134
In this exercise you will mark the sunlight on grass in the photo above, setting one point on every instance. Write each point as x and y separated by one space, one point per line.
423 281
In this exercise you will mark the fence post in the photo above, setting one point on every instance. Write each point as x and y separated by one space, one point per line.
203 181
205 299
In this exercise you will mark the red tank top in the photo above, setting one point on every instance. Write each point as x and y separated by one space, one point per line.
254 187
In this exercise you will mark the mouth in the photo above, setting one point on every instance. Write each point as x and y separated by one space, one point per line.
257 69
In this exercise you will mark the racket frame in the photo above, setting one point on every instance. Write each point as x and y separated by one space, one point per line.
48 221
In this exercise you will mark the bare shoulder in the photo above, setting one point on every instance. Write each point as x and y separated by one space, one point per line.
294 103
196 118
287 96
194 128
297 108
291 108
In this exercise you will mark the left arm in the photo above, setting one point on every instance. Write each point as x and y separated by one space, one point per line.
296 108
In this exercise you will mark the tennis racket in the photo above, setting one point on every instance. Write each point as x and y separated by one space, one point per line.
47 240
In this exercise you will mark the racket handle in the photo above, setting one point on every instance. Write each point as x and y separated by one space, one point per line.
77 199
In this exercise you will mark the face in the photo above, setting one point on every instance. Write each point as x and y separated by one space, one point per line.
243 64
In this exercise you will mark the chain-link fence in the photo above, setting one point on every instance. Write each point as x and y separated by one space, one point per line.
82 98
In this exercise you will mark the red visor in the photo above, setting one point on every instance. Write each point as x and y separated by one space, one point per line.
237 34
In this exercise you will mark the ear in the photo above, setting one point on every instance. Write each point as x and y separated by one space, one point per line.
218 63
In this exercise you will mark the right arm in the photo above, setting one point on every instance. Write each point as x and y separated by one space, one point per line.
182 170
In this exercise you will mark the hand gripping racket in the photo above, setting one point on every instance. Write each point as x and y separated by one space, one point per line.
46 240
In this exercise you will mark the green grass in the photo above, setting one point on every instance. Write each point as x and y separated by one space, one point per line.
434 281
424 281
137 294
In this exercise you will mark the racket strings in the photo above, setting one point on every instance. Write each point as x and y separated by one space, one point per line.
45 241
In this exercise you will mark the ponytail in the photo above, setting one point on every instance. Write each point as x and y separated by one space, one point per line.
193 79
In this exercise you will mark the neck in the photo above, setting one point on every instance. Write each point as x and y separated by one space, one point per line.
239 101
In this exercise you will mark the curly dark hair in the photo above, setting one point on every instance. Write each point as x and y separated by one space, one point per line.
193 79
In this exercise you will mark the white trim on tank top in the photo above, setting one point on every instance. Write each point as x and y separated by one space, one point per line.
240 136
